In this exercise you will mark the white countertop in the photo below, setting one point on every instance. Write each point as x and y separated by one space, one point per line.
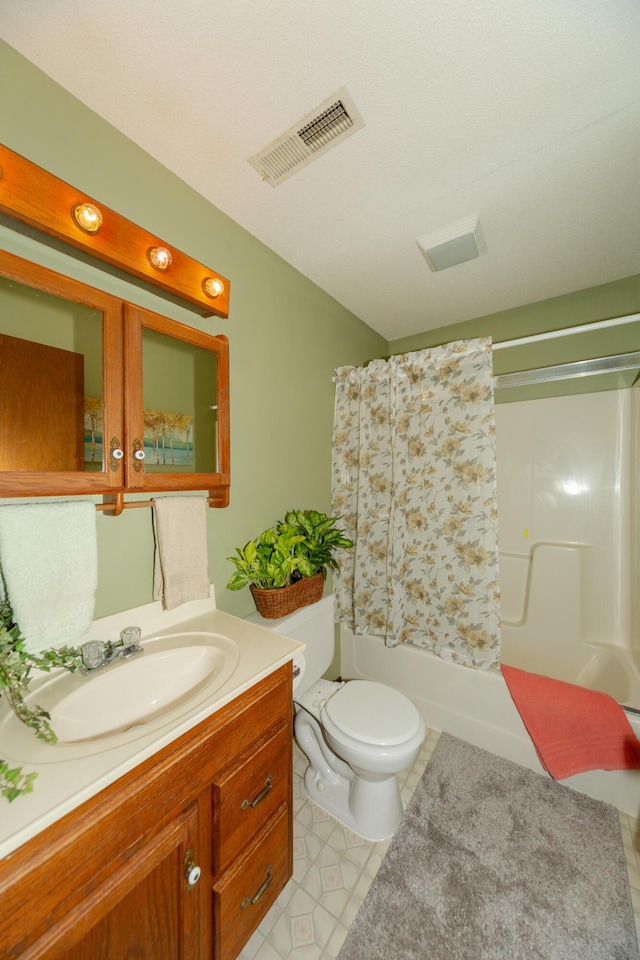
69 774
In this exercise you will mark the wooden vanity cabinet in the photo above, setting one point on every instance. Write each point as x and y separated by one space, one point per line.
110 881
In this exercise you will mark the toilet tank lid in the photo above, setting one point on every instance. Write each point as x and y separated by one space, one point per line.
373 713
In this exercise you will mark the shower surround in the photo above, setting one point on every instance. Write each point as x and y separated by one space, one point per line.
567 509
568 542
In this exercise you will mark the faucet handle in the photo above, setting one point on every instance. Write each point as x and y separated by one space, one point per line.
93 655
130 636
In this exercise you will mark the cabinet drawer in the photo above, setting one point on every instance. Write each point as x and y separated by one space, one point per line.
249 793
245 893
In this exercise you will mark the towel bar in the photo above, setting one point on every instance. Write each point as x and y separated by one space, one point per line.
115 503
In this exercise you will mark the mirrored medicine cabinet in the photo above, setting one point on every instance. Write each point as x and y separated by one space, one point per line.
100 396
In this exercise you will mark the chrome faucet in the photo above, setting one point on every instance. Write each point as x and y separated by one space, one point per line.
96 654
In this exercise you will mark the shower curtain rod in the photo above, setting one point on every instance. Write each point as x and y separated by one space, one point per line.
568 331
580 368
569 371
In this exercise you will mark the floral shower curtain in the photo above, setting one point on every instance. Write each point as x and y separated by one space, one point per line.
414 479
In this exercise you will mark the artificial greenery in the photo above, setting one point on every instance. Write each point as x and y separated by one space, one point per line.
268 562
16 664
320 540
14 783
301 545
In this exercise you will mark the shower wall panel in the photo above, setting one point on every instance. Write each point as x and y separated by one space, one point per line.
567 517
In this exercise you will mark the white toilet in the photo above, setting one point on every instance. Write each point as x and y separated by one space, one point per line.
357 734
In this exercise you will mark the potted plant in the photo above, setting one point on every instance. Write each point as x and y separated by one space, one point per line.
286 566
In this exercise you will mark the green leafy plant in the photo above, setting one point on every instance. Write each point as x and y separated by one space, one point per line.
16 664
320 540
13 782
301 545
269 562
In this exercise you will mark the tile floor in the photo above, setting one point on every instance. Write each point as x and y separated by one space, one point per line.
332 871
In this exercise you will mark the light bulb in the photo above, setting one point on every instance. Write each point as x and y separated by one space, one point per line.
88 217
159 257
213 287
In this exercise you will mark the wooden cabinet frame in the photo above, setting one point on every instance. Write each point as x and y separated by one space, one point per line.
135 320
122 325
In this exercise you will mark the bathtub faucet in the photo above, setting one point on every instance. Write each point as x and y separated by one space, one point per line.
96 654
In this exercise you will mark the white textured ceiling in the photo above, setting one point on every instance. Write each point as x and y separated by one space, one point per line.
526 112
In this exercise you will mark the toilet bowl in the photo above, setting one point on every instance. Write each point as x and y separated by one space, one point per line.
357 734
376 729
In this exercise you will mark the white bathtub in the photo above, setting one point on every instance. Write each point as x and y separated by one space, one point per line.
475 706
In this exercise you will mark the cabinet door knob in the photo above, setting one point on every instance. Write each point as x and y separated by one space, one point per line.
259 797
192 871
251 901
116 453
138 455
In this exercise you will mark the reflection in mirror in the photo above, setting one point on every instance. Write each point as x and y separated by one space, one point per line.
51 392
180 391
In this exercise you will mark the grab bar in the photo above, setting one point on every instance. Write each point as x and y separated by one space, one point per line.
567 544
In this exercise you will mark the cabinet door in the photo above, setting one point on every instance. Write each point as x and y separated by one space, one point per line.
176 406
146 910
60 383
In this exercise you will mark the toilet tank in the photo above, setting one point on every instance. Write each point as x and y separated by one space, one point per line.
312 625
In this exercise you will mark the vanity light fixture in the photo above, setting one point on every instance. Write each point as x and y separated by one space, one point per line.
213 287
88 217
64 213
159 257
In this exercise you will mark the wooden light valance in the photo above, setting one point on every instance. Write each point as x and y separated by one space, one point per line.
40 200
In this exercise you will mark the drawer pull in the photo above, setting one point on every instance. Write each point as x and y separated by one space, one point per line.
260 797
251 901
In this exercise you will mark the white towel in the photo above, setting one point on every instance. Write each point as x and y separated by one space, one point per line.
181 567
49 557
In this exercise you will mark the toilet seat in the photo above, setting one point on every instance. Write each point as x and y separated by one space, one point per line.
371 713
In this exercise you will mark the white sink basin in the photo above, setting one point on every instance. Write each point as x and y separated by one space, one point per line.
173 674
143 688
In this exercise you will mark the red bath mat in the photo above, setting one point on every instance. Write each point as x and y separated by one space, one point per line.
572 729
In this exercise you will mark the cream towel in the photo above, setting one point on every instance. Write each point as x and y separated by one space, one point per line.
181 567
49 557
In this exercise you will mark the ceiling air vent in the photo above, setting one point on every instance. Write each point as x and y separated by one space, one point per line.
333 121
456 244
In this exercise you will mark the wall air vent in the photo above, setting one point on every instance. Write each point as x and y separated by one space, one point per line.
333 121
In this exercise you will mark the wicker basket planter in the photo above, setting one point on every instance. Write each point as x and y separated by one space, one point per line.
273 604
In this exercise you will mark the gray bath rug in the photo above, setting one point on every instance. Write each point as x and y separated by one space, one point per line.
494 862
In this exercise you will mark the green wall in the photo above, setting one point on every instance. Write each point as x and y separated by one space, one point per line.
286 336
617 299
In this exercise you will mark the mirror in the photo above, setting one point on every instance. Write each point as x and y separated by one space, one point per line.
50 361
180 408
